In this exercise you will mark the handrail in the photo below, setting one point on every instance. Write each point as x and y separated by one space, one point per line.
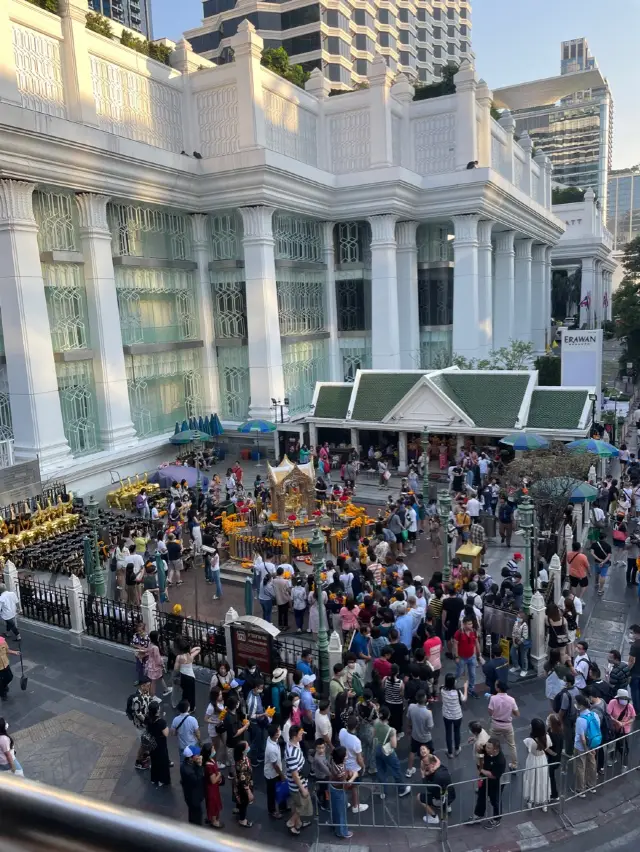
53 819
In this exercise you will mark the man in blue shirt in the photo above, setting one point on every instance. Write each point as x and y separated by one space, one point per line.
307 701
305 663
585 768
404 626
361 644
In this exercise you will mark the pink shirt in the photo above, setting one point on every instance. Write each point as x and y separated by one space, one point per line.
614 709
349 618
501 707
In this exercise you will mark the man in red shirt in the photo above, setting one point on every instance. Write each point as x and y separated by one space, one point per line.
466 650
382 664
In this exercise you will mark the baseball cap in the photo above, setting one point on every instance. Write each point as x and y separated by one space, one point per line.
191 751
308 679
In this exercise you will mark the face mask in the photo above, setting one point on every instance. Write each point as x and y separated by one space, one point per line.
518 620
623 701
296 702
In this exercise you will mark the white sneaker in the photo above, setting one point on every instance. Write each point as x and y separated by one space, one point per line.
514 669
431 820
410 772
399 736
523 673
404 792
382 795
360 809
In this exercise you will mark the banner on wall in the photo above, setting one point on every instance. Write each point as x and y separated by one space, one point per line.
581 359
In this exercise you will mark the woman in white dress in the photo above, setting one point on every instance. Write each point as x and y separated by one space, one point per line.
314 617
535 786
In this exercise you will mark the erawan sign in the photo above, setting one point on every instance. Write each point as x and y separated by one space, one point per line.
582 359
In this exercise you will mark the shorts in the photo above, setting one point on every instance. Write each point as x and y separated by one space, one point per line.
175 565
449 631
302 804
579 581
416 746
412 535
602 570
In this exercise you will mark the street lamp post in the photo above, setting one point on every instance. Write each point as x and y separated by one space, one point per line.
317 548
93 568
525 512
444 509
593 397
425 472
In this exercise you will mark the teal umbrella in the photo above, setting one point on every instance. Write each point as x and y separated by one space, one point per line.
525 441
177 429
207 425
584 493
592 445
184 427
187 436
215 426
259 426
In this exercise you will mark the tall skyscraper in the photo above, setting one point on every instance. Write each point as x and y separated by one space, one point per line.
569 117
623 206
134 14
416 37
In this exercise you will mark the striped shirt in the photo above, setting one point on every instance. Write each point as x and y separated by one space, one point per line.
451 704
435 607
393 691
294 760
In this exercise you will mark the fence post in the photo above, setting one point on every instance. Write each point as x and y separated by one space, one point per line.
335 651
538 644
333 544
76 609
562 787
229 618
149 612
11 578
555 577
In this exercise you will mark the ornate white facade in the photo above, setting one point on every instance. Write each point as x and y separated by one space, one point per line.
310 237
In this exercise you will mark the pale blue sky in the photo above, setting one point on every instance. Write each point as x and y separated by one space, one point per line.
518 40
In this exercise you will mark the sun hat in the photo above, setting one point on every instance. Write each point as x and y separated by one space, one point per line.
278 675
622 693
307 680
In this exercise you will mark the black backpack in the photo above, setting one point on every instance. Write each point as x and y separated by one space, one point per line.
129 710
607 729
572 713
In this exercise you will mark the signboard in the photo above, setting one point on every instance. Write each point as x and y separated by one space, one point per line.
20 482
582 359
251 644
497 620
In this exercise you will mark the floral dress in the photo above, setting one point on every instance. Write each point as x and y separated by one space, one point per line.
243 782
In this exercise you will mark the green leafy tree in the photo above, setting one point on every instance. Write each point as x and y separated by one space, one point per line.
516 356
139 44
625 307
160 52
276 59
567 195
446 86
631 257
549 372
47 5
99 24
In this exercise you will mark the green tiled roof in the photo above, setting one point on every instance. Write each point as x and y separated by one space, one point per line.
556 409
492 400
333 401
378 393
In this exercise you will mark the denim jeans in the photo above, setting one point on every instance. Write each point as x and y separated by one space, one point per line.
470 664
339 811
267 606
634 686
257 737
452 731
519 655
387 765
298 614
215 577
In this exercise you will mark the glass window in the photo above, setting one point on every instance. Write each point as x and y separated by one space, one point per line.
451 49
362 67
302 43
422 34
334 73
361 41
451 32
383 39
437 70
463 47
422 54
300 17
451 13
463 13
437 51
404 58
332 17
463 29
437 33
422 75
383 16
565 54
332 44
437 15
404 36
422 14
403 15
358 16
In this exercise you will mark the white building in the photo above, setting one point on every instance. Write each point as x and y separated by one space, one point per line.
310 237
416 37
587 245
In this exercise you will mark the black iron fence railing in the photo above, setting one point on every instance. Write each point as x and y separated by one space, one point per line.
45 603
210 637
110 620
288 651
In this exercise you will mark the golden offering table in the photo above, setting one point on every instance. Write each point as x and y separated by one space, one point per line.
470 555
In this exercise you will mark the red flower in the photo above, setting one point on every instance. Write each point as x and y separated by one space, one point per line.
292 518
317 513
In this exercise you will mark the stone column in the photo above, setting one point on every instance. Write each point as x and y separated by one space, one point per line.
539 298
318 86
336 373
266 378
231 616
149 610
548 172
598 292
548 265
608 288
335 650
537 632
247 48
485 288
116 428
76 607
466 121
76 64
354 437
508 124
204 309
527 146
555 577
503 289
385 334
484 98
380 81
407 267
403 463
466 335
522 292
587 289
313 436
10 578
33 385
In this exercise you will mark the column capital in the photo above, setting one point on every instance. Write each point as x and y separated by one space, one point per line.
406 235
200 229
539 253
485 227
383 229
16 202
327 236
523 248
93 212
465 228
548 253
505 242
589 264
257 222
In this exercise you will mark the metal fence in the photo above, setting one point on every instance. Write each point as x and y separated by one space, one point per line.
110 620
45 603
465 803
210 637
288 650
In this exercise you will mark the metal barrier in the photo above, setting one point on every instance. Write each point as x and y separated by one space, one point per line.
43 602
210 637
107 619
288 650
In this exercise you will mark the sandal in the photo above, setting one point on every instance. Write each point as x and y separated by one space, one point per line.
245 824
295 831
305 824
